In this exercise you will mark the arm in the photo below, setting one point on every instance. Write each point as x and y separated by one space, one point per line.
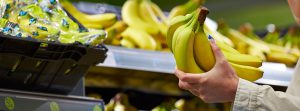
252 97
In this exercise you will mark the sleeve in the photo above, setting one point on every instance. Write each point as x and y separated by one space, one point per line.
293 88
252 97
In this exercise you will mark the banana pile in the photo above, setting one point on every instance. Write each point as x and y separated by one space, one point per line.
272 49
289 42
143 24
192 51
120 102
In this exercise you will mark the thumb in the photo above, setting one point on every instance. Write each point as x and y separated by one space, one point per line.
216 50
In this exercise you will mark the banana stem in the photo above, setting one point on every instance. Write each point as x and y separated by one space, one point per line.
202 15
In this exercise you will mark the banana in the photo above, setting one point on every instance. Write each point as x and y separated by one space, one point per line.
227 48
111 105
217 36
285 58
90 21
202 50
173 25
243 59
127 43
240 39
257 52
131 16
93 26
148 15
247 72
142 39
159 12
122 103
186 8
115 30
183 48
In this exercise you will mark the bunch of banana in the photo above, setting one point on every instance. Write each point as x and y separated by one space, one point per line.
192 50
288 56
145 16
147 26
97 21
119 103
186 8
114 32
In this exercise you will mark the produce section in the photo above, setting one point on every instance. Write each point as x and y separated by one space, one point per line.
127 54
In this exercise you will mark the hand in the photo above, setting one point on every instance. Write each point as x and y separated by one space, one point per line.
217 85
295 7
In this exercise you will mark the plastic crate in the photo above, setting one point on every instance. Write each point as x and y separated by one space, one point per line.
29 64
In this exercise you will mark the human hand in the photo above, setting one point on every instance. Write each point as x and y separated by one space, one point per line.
295 7
217 85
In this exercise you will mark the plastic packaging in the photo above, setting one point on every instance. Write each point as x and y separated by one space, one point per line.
44 20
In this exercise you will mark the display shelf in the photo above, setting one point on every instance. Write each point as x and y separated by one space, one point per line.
163 62
12 100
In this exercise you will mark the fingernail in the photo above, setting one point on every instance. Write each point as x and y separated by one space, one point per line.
210 38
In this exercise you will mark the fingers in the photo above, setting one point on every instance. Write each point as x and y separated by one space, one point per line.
188 77
216 50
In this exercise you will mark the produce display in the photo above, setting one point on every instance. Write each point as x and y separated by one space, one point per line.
121 102
144 25
247 42
44 20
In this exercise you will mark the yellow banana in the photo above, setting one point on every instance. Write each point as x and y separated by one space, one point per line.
159 12
90 21
202 50
131 16
247 72
127 43
142 39
243 59
217 36
285 58
173 25
183 48
148 15
227 48
186 8
241 37
257 52
115 30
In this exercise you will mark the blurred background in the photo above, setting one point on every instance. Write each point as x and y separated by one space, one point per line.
235 12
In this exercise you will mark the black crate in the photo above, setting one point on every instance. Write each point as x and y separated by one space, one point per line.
29 64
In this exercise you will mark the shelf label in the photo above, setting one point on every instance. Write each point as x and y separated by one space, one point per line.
97 108
54 106
9 103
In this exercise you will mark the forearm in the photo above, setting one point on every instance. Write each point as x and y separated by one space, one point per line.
252 97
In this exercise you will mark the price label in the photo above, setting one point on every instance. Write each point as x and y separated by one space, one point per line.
54 106
9 103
